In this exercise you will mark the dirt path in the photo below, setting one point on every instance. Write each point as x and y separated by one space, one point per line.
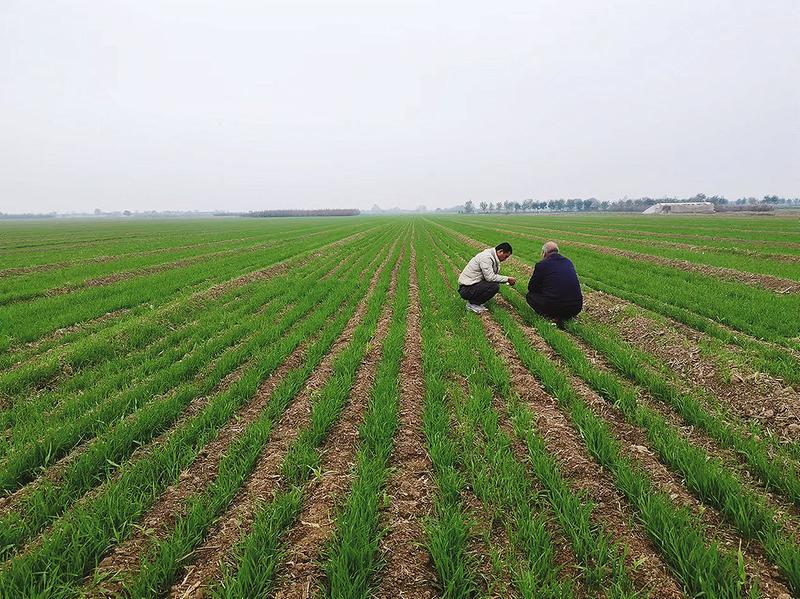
265 479
408 570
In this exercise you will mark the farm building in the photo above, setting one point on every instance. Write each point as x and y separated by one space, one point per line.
680 208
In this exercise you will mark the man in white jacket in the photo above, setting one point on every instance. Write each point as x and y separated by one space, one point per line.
480 280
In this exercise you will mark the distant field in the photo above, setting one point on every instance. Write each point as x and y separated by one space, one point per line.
303 407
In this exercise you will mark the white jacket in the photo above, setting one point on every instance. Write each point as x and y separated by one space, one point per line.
482 267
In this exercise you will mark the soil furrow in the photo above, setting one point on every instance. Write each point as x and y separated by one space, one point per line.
54 472
698 438
315 524
564 556
161 517
612 510
408 570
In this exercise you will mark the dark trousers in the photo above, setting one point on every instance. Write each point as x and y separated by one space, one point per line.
479 293
545 306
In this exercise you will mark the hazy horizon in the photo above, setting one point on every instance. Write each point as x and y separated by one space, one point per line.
308 104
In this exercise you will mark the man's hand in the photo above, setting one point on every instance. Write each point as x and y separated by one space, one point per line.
512 281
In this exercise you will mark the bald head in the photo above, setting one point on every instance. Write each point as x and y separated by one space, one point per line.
551 247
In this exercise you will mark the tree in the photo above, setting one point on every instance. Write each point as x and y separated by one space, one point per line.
469 207
491 206
484 206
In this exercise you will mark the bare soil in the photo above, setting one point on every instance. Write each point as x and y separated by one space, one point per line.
751 395
409 571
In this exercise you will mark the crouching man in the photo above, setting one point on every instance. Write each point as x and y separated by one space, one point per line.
554 290
480 280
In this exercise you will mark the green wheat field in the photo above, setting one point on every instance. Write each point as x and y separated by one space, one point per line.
233 407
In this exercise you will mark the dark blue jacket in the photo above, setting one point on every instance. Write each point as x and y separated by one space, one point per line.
555 278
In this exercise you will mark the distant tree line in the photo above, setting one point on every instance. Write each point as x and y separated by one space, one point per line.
5 216
324 212
622 205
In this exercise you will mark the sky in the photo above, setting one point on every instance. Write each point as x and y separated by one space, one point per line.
247 105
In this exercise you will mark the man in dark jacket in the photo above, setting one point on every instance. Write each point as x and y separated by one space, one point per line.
554 290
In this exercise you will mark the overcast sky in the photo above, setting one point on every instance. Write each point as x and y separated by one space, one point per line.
165 104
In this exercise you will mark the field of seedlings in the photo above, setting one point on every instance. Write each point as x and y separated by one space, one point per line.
304 408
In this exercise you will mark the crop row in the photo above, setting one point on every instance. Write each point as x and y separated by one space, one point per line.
502 482
28 321
100 460
79 538
709 479
89 412
710 306
64 243
27 287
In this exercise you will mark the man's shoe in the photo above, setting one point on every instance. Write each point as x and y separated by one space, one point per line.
560 323
475 308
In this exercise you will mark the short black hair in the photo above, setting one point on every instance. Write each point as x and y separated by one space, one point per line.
506 247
